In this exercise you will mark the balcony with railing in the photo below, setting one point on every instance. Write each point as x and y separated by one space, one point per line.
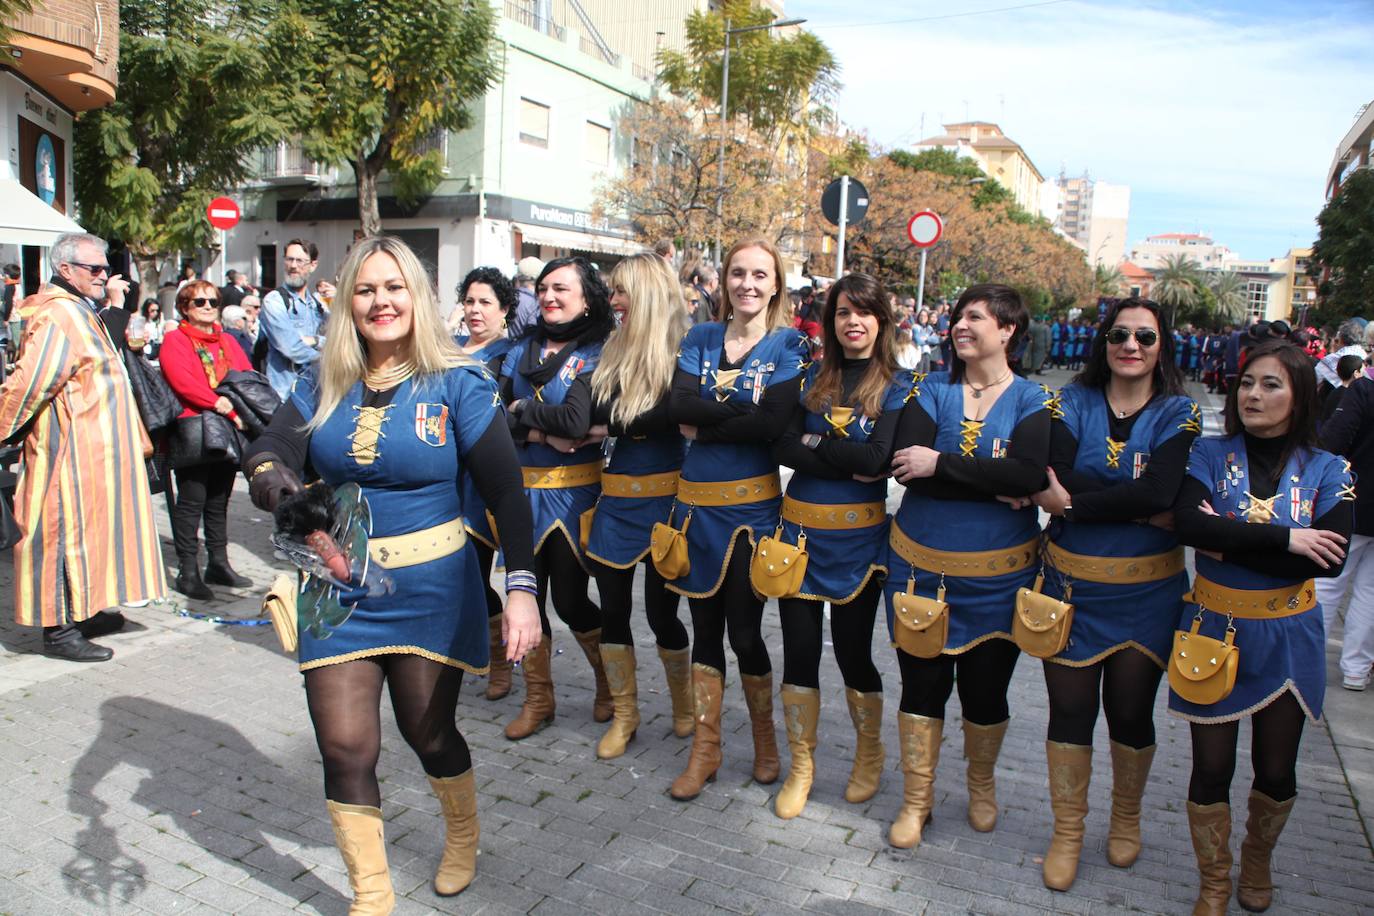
524 14
69 50
286 163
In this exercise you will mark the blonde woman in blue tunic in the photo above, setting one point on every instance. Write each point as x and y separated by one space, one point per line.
840 445
733 394
1268 513
1119 447
394 406
970 436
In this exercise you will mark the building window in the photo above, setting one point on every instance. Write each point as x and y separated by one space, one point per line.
596 146
534 123
1256 298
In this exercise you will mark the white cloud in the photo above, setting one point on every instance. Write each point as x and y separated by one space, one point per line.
1223 120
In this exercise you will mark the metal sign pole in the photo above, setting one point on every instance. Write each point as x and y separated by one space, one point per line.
844 223
223 260
921 285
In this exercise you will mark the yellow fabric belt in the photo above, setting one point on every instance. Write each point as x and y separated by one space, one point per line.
419 546
835 516
563 476
1115 570
971 563
639 486
730 492
1254 604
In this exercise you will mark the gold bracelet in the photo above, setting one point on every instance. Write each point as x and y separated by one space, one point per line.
266 465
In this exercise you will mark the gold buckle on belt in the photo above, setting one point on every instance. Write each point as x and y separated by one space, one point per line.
970 564
833 516
730 492
418 547
641 486
562 476
1115 570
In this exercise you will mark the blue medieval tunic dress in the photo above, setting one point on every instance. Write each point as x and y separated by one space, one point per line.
561 486
981 549
492 355
729 487
845 520
1125 580
638 488
1280 635
408 456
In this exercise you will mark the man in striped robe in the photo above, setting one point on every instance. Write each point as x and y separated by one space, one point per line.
83 502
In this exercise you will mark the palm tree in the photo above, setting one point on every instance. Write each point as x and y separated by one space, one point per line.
1177 282
1108 280
1229 288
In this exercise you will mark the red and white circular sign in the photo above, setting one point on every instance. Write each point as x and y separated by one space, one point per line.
223 213
924 229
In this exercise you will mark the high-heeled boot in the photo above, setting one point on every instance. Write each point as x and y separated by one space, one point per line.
708 690
1263 825
1071 769
619 663
1210 826
602 707
801 711
866 710
982 745
758 695
498 678
1130 773
538 708
358 833
920 739
677 669
458 798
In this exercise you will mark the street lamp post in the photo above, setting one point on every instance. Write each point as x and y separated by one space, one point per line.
725 107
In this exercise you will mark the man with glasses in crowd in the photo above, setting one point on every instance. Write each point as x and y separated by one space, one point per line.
83 504
292 317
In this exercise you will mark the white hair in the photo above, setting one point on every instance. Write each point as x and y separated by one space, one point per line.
63 250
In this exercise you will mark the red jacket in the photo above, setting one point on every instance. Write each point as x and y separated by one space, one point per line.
185 373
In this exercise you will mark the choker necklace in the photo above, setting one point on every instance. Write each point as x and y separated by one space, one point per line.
386 379
978 391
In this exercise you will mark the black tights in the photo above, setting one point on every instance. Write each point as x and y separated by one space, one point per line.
345 701
851 630
616 587
562 576
485 557
984 674
1126 681
1275 736
735 609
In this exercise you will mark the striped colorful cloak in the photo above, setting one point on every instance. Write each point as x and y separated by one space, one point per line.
83 503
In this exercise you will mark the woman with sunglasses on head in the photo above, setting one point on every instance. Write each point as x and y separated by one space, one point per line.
968 437
545 382
194 359
485 298
733 394
1119 448
1267 512
840 444
630 391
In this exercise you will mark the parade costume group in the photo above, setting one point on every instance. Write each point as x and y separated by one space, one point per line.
688 486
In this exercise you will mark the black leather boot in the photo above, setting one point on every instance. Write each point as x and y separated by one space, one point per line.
191 585
67 643
219 572
102 624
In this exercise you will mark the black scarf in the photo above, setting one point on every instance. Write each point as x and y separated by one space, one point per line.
540 371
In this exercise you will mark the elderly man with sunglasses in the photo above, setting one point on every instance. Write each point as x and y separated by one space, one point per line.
89 541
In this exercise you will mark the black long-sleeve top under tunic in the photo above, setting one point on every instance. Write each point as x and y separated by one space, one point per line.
734 421
836 458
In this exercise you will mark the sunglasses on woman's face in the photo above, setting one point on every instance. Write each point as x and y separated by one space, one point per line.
1146 337
201 302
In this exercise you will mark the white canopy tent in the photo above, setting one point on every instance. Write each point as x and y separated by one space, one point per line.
26 220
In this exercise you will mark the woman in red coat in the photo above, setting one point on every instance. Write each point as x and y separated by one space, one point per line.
195 358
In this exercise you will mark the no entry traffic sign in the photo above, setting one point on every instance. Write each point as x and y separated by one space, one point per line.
924 229
223 213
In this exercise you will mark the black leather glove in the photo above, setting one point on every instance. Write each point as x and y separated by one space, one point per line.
271 482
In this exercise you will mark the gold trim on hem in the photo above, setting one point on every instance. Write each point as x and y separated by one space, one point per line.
479 538
607 563
1110 650
960 650
394 650
720 579
873 568
1286 687
567 535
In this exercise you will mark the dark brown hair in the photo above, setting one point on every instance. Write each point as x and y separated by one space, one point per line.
1302 381
1168 378
1005 305
865 294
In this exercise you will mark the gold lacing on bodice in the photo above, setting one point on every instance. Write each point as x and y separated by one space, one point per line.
1194 422
1114 452
839 418
723 383
1053 403
367 430
969 431
1260 511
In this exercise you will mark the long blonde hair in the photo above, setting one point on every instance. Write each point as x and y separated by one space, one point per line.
343 361
637 363
779 313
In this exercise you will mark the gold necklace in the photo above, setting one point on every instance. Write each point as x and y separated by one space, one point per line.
978 391
386 379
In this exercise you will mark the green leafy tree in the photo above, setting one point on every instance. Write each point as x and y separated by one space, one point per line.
1343 255
1178 282
1229 290
8 10
196 98
776 81
988 192
1108 280
384 80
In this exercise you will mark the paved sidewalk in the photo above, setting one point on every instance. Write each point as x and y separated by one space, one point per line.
182 777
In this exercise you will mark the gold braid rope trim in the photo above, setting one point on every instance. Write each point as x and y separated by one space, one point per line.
367 430
969 431
1114 452
1194 422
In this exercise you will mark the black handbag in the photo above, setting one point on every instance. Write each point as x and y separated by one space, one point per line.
206 438
158 405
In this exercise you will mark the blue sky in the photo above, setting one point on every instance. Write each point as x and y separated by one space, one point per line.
1222 117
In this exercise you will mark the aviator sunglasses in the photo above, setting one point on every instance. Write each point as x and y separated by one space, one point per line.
1146 337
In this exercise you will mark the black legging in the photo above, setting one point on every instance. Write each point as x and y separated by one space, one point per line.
735 609
485 557
1275 736
1126 681
345 702
851 630
984 674
562 576
616 588
203 492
